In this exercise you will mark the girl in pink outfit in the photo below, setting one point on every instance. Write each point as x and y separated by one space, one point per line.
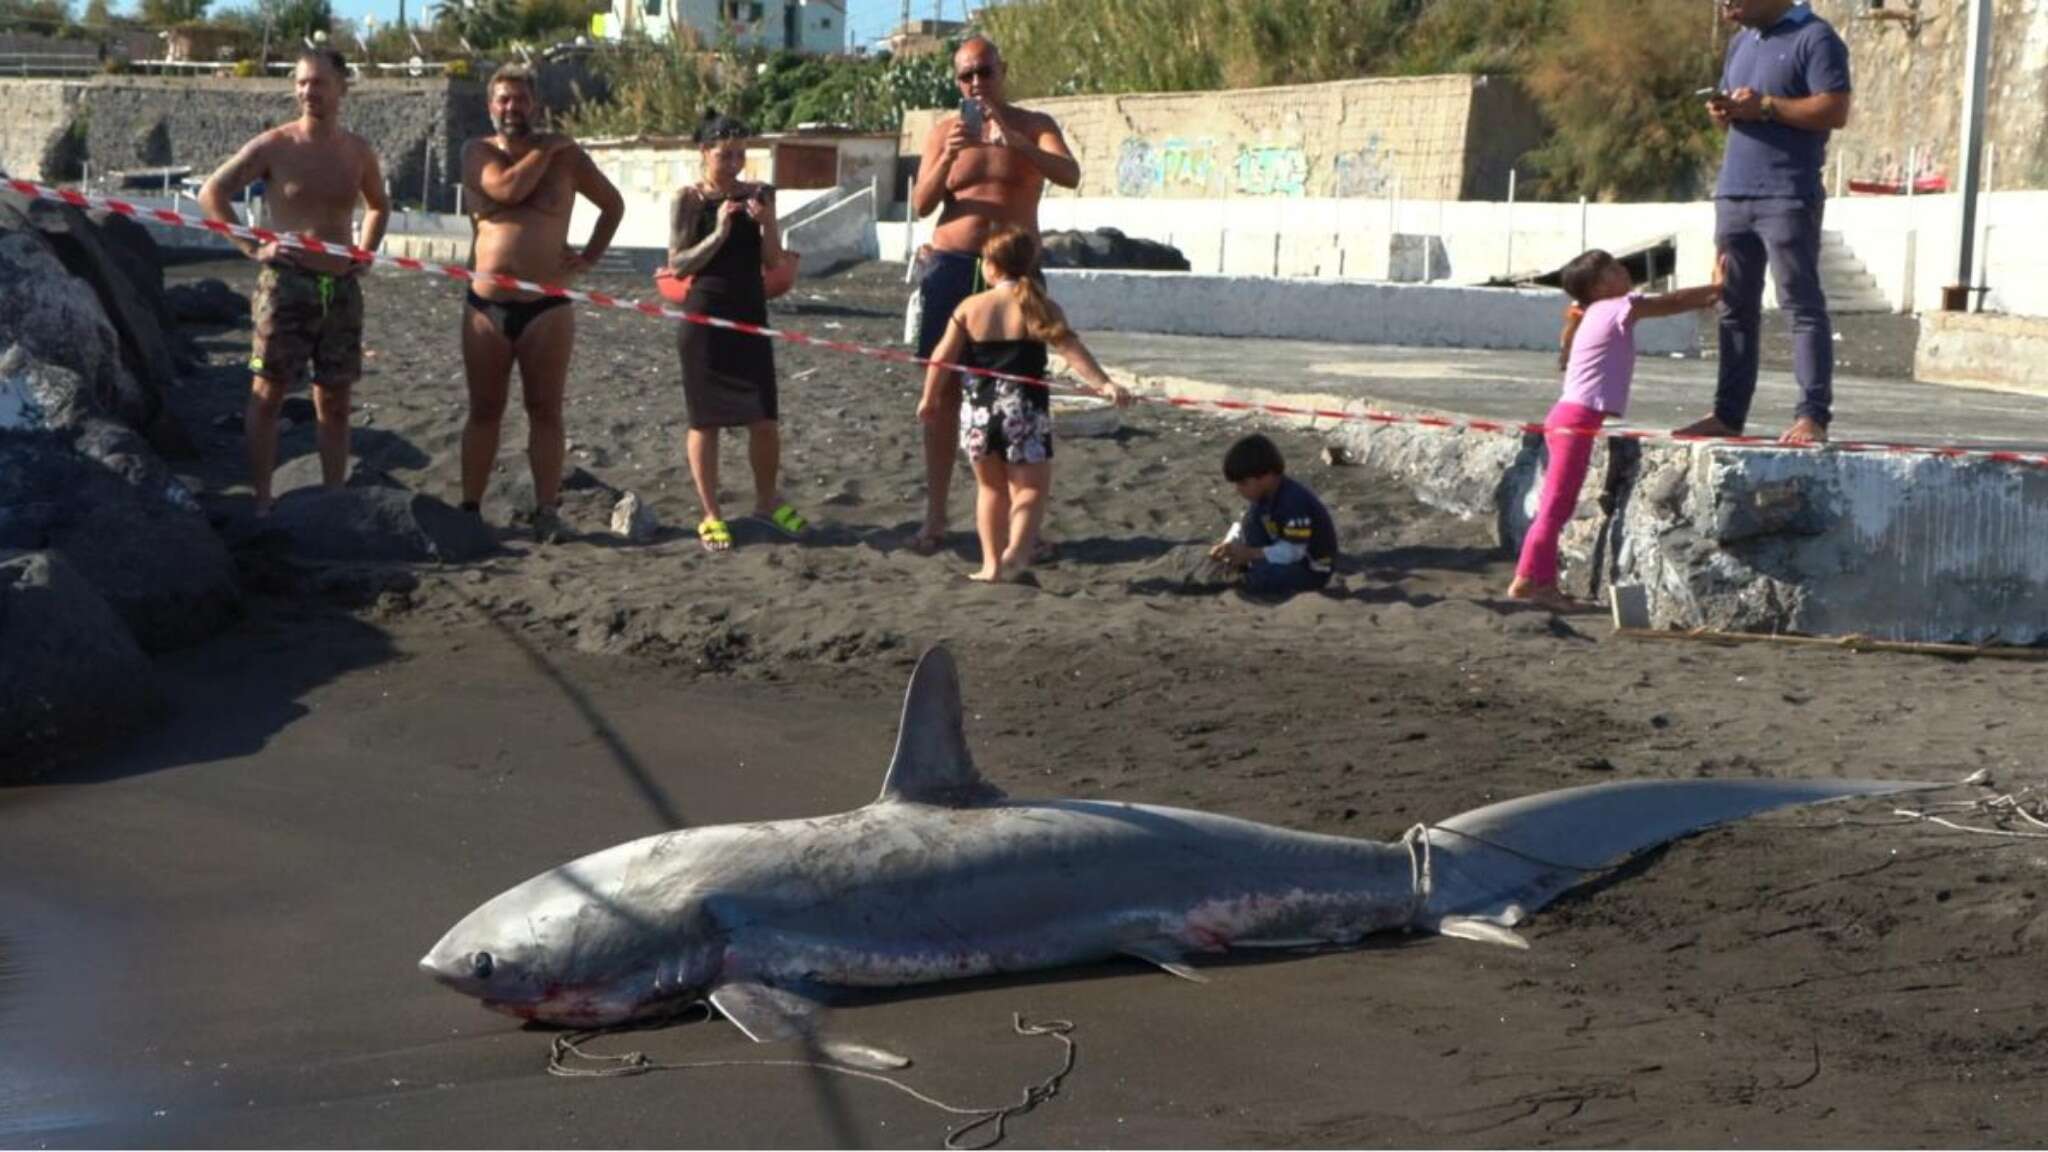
1599 360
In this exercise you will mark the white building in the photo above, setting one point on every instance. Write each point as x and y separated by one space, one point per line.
817 26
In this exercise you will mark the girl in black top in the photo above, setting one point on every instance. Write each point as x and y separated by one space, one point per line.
722 233
1007 425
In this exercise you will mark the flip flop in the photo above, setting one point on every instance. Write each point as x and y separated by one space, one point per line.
786 521
714 535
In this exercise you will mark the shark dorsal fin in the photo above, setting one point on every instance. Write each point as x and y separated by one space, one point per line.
932 764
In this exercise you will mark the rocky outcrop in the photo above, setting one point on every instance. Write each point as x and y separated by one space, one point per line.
1110 248
73 676
121 267
369 521
96 495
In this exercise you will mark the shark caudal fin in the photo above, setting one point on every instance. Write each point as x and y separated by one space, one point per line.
1489 868
932 764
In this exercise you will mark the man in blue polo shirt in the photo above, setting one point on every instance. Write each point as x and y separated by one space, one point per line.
1784 88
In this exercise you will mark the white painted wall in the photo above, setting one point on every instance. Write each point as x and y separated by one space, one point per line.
1907 243
1346 311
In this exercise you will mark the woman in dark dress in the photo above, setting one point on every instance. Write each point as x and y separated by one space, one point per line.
722 234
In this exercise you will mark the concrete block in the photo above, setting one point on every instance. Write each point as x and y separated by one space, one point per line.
1897 547
1336 310
1982 350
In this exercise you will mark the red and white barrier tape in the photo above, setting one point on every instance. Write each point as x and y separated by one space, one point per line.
306 242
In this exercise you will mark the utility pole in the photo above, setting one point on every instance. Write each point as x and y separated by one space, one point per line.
1978 51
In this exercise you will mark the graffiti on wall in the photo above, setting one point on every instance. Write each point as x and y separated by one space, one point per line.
1175 166
1137 167
1197 166
1367 170
1271 170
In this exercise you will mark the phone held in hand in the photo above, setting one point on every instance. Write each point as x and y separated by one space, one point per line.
1708 93
971 116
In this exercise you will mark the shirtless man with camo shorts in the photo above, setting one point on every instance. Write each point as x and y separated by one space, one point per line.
523 185
308 308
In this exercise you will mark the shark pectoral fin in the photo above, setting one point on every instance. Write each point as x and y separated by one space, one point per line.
1167 958
765 1012
1484 931
858 1055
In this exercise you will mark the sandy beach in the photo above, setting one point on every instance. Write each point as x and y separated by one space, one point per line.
208 936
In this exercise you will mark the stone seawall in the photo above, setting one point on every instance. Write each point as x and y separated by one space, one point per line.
145 122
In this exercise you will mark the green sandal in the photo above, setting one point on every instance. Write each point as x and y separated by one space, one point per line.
714 535
786 521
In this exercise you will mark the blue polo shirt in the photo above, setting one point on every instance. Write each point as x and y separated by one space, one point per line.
1798 56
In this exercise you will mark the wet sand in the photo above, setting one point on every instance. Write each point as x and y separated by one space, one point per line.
209 937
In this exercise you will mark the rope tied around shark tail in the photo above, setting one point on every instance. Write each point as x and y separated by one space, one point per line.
1422 880
568 1048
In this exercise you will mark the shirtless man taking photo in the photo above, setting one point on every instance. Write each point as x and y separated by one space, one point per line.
308 308
982 176
523 184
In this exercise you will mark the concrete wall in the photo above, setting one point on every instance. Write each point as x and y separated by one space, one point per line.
38 114
2008 353
1908 244
146 121
1346 311
1430 136
1909 91
1911 548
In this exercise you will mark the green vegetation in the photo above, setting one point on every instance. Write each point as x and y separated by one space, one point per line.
662 90
1612 77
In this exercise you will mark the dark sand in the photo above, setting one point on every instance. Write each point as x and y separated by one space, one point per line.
209 937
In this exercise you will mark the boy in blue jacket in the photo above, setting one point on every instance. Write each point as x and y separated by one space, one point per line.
1286 542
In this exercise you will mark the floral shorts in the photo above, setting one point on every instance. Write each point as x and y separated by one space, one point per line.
1009 420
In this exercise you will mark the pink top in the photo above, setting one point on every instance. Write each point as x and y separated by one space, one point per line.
1603 358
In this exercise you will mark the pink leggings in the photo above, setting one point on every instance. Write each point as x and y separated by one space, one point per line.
1571 453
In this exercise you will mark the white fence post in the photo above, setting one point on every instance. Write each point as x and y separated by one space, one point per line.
1511 224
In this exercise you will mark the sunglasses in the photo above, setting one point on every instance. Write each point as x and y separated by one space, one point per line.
979 72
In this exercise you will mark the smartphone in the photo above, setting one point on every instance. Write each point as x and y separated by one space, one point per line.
1708 93
970 116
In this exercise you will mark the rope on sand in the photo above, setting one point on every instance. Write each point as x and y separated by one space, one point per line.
567 1049
2003 810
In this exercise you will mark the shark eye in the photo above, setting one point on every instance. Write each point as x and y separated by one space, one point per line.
481 964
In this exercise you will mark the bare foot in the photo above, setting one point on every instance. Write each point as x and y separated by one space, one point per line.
1542 595
985 576
1711 426
929 541
1805 430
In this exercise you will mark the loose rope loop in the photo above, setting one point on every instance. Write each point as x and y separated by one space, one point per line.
567 1048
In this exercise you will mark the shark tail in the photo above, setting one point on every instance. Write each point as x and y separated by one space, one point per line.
1482 872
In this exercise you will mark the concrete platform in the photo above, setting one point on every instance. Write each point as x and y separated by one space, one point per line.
1904 547
1982 350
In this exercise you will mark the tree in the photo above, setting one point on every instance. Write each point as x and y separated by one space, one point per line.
483 23
45 16
1616 83
294 20
166 13
97 14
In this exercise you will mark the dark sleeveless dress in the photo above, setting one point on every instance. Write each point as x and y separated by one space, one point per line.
1004 418
728 377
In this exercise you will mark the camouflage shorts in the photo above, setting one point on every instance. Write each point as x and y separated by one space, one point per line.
306 316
